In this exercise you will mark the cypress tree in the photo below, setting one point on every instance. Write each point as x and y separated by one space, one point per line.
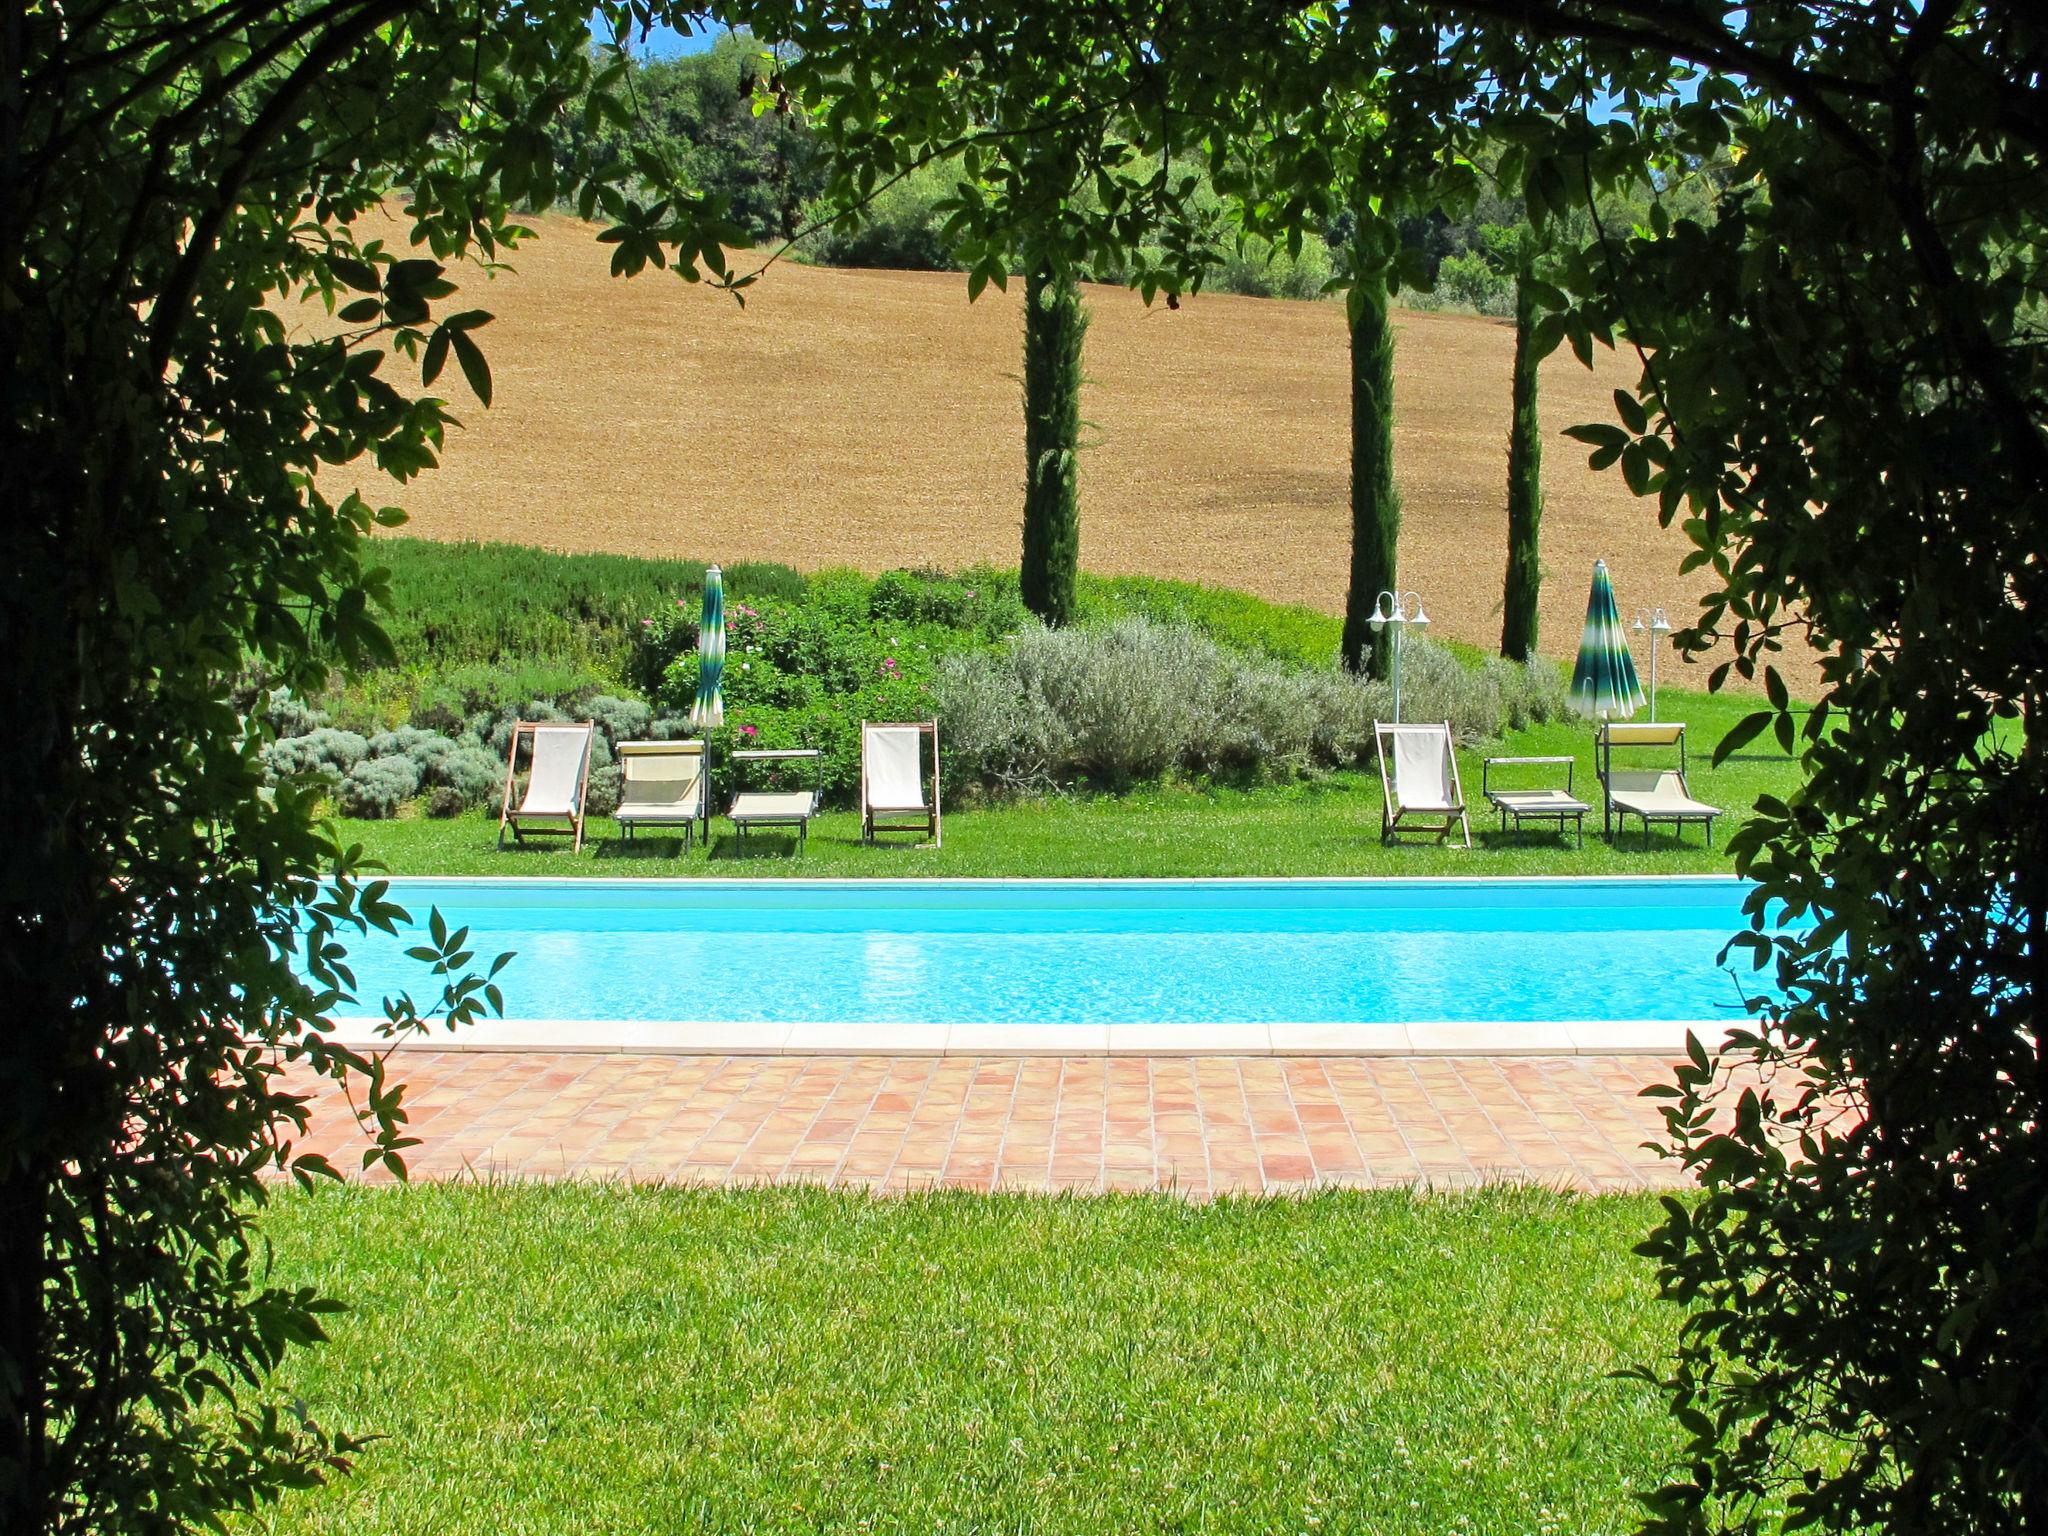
1054 324
1375 505
1525 486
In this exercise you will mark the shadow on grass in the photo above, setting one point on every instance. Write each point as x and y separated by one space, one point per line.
1490 839
643 849
755 845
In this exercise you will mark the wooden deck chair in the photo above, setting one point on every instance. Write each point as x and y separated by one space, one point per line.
1423 781
560 771
664 785
892 784
1653 794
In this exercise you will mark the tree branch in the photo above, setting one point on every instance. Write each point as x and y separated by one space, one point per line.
168 310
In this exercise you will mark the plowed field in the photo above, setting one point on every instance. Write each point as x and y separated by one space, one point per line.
872 419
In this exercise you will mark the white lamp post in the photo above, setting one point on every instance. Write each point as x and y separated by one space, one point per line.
1658 626
1392 608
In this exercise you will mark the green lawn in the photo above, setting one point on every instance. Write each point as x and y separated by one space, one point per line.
602 1358
1325 827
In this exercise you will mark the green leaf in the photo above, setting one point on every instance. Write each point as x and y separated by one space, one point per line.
474 368
1741 734
436 356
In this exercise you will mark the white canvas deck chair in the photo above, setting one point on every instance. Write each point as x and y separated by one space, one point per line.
1422 781
664 785
553 801
892 782
1653 794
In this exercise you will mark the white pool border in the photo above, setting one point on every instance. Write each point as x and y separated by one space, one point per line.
714 1037
774 882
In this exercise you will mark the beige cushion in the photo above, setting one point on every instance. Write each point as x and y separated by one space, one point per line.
775 805
1657 793
1535 800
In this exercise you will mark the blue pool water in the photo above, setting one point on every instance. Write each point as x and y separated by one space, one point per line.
1087 952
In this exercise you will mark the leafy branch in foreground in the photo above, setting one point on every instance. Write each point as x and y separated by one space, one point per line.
180 184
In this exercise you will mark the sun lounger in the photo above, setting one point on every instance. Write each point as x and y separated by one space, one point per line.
756 808
1651 794
664 785
1523 805
892 784
1422 782
555 782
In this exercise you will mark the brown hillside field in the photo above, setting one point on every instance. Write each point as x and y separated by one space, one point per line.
872 419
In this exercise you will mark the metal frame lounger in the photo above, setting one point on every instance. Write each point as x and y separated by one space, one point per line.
1558 805
892 779
778 807
664 785
1653 794
1424 782
555 782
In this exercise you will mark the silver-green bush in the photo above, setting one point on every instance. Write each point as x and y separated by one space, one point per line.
1130 700
326 753
377 786
471 774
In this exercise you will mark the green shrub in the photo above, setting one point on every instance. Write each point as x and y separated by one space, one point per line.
807 677
602 790
902 226
456 606
978 601
446 701
1472 280
289 715
377 786
1262 270
1286 631
427 749
1531 692
1112 704
619 719
471 775
441 801
326 753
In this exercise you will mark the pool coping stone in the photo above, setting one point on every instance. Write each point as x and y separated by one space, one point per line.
701 1037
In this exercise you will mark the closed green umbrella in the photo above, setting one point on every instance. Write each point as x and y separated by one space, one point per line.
1604 682
709 710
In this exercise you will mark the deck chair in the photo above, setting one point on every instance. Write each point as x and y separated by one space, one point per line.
553 801
892 788
664 785
791 808
1423 781
1652 794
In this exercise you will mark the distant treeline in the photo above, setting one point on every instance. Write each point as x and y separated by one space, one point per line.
699 110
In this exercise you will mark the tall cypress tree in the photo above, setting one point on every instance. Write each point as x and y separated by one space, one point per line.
1375 505
1525 483
1054 324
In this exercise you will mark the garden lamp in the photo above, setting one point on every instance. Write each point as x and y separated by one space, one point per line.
1654 622
1392 608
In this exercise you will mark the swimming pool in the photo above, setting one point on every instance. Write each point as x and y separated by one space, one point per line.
1070 955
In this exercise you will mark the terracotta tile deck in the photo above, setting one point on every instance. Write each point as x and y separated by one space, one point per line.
1200 1126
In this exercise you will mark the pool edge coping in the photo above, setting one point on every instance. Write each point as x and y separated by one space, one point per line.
710 1037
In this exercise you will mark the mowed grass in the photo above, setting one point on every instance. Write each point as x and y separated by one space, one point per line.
552 1358
1322 827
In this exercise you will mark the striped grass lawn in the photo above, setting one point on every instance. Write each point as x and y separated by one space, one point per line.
576 1357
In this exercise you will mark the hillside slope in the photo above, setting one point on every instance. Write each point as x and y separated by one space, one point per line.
872 419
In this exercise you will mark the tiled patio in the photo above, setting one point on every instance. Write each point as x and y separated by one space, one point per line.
1198 1125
